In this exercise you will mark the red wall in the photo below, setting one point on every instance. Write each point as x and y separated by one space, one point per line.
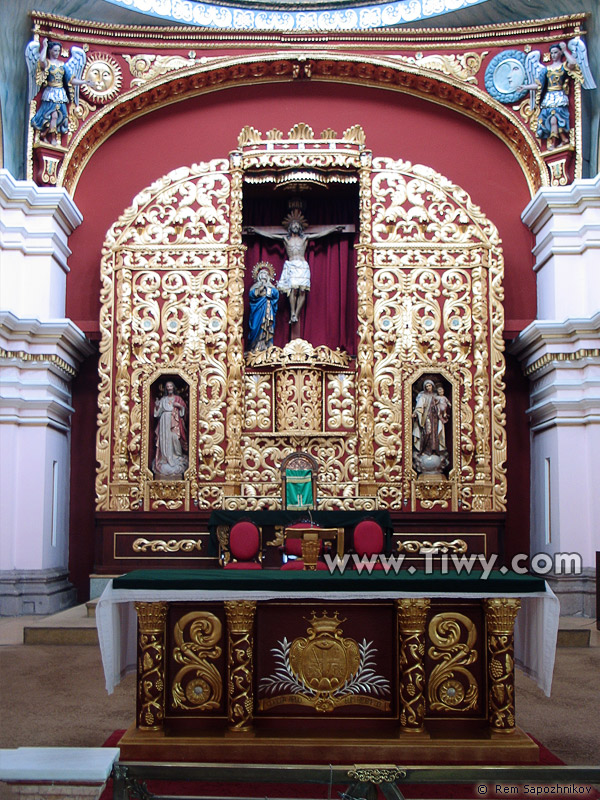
199 129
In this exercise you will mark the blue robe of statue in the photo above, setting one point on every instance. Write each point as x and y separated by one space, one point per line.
263 308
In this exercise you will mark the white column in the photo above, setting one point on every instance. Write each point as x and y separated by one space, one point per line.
40 352
560 353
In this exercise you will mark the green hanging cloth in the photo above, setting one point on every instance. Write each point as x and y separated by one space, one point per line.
298 489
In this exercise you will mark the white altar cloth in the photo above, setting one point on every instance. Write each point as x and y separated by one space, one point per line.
536 627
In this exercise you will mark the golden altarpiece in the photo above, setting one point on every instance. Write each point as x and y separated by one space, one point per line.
429 274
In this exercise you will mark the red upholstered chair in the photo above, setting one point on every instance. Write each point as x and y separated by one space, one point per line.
244 546
293 547
369 540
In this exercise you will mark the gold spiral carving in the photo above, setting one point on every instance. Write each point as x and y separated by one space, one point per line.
197 685
451 686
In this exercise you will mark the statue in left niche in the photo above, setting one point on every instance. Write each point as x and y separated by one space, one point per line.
264 299
170 460
46 69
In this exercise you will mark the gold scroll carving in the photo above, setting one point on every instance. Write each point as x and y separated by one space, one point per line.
500 615
167 265
240 659
197 686
412 615
451 686
151 665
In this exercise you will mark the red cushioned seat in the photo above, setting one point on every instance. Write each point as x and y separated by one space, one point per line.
369 540
244 545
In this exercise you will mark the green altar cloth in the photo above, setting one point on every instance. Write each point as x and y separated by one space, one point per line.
322 582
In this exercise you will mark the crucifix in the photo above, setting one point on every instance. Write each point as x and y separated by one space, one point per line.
295 276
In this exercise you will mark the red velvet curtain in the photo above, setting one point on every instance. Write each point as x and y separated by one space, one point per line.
329 313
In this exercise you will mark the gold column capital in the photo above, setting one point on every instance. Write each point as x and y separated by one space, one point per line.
501 613
412 613
151 616
240 615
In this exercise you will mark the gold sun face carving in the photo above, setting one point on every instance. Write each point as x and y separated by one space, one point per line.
105 74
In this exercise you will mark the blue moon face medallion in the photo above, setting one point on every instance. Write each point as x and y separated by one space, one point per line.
505 74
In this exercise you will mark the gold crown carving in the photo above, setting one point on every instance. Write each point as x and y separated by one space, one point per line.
325 623
263 265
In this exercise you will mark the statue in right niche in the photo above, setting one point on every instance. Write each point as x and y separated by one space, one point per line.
431 413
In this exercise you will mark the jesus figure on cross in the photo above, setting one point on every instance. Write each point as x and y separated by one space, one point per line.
295 276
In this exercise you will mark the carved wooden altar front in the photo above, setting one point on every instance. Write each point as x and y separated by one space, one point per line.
429 273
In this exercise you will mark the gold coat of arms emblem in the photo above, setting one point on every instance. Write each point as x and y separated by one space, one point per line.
324 670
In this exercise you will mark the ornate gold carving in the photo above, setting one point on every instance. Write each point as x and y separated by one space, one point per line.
451 686
165 276
430 310
151 665
301 131
258 393
464 67
324 670
197 686
412 615
166 490
298 405
432 493
341 406
419 546
240 621
105 73
145 67
142 545
468 99
500 616
429 270
298 352
78 114
376 775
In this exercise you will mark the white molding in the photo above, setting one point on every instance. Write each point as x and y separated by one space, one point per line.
561 199
33 336
34 200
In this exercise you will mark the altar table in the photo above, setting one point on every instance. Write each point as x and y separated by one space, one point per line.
237 666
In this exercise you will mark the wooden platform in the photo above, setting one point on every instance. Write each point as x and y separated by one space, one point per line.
515 748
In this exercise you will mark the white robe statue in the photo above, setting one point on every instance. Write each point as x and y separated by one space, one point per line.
171 440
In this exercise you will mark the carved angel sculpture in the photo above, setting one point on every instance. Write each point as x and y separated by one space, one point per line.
554 120
46 69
